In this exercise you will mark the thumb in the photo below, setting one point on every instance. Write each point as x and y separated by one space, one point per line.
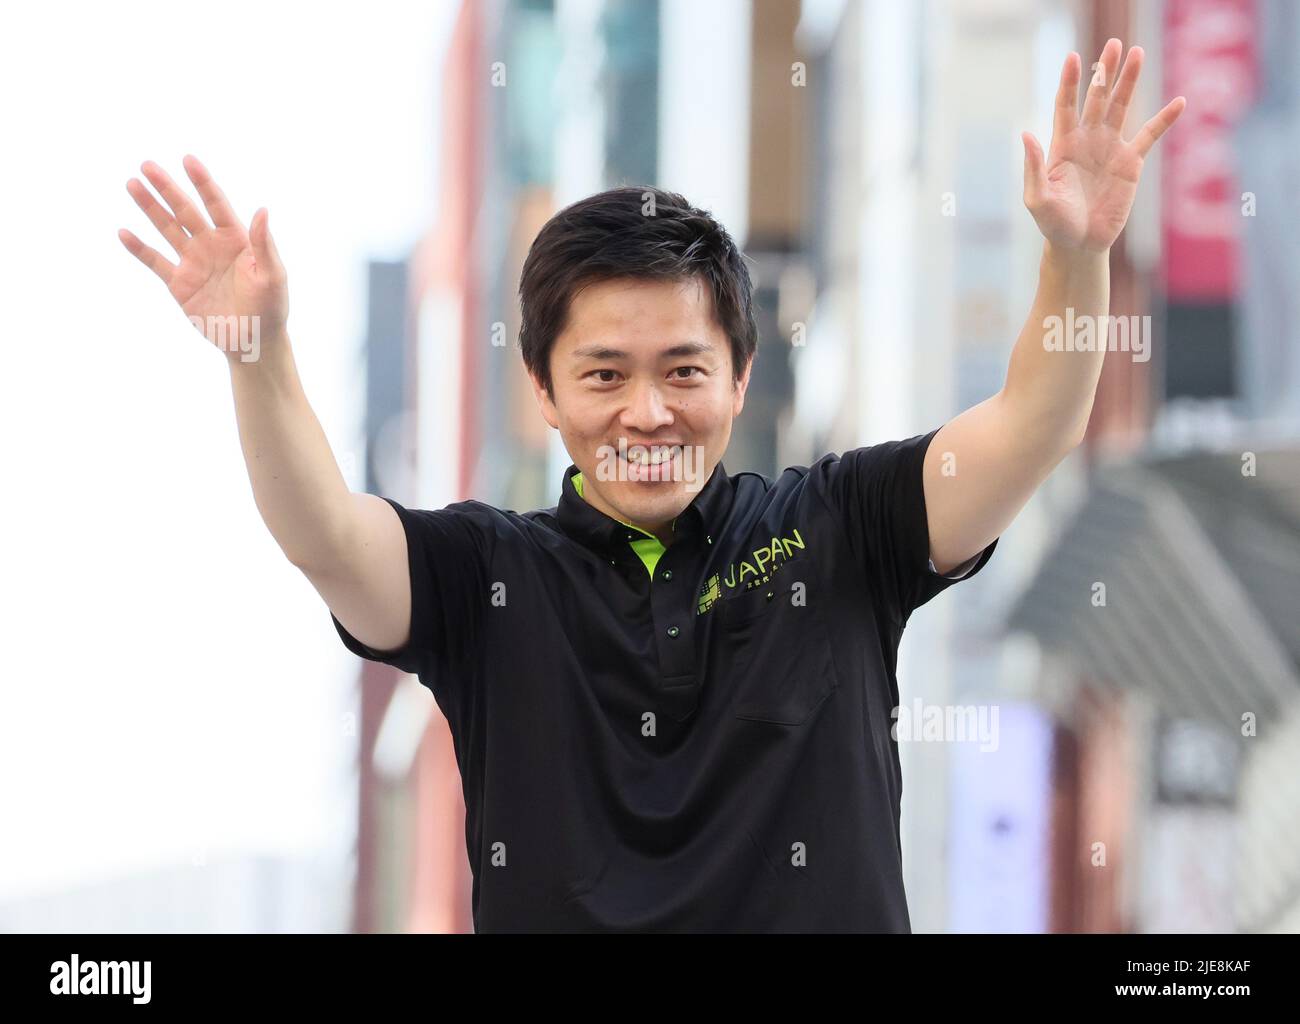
1035 171
265 254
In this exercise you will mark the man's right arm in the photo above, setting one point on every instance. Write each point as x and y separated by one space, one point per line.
351 546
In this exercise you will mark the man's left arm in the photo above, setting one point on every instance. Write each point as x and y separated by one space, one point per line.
983 465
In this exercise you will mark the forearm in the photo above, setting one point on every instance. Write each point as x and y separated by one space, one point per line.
984 464
1050 387
297 485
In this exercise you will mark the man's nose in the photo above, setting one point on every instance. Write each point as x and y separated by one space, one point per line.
647 410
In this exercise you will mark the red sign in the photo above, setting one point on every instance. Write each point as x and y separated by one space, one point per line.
1209 57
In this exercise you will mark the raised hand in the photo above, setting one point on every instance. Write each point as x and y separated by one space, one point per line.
1081 197
224 270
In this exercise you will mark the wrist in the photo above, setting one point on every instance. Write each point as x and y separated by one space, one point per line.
259 350
1071 259
273 370
1074 272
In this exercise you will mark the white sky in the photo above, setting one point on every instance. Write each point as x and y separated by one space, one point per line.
171 687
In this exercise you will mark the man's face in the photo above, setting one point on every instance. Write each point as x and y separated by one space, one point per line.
643 363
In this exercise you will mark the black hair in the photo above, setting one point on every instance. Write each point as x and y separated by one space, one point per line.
638 232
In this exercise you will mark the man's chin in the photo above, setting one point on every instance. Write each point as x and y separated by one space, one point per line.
659 502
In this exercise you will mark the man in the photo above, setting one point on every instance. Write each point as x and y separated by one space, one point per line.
671 694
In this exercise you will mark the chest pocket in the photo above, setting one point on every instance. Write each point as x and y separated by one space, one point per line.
774 654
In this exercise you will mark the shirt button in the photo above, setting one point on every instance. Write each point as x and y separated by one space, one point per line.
667 574
673 630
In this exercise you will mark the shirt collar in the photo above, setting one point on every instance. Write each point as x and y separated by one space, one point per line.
586 523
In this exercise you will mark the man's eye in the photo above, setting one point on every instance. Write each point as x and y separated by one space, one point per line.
688 370
605 380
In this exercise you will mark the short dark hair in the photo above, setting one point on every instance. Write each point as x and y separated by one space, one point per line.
631 231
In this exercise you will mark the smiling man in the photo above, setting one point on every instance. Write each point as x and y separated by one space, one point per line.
671 693
644 381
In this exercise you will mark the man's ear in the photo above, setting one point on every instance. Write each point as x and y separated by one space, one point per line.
739 387
544 402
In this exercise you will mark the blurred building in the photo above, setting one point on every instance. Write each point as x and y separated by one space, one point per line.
1165 607
238 895
427 358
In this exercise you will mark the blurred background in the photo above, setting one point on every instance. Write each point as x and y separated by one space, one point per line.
184 743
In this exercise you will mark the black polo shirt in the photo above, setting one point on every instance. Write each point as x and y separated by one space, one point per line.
697 740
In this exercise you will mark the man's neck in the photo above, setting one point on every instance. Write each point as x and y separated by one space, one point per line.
665 534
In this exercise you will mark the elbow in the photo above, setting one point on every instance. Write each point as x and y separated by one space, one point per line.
311 563
300 561
1077 436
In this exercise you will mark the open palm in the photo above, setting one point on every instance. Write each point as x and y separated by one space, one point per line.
224 269
1081 195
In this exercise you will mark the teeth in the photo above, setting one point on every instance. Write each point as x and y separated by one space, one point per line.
652 457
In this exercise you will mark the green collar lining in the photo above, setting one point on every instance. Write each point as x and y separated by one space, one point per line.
648 548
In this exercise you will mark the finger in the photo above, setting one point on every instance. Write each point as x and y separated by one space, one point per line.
1067 97
265 255
151 258
1035 171
219 208
1094 103
1124 87
1158 125
184 210
160 218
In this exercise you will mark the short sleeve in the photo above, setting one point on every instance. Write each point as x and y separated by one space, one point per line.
447 558
878 495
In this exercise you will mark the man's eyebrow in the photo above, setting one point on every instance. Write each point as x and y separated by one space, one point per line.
685 348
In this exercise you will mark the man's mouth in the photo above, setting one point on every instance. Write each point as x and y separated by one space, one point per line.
651 463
